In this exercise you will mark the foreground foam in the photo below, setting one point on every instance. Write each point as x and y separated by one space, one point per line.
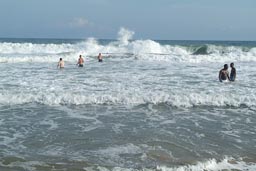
213 165
227 164
174 99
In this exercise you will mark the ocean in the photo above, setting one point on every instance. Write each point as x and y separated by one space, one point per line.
150 105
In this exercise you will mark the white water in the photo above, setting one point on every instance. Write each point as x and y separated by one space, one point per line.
133 73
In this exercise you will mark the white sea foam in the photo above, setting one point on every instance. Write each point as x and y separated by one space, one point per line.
125 35
30 48
177 99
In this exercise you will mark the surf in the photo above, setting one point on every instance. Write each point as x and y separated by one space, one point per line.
152 50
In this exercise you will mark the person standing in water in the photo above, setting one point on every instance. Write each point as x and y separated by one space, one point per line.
223 74
233 72
100 57
60 64
80 62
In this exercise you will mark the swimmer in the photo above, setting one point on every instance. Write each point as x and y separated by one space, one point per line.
223 74
80 62
233 72
60 64
100 57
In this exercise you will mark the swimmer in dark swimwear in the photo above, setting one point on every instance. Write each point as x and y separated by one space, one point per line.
100 57
80 62
233 72
223 74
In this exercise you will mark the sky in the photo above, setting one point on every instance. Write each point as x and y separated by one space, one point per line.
149 19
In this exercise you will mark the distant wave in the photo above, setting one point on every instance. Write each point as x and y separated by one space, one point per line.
137 49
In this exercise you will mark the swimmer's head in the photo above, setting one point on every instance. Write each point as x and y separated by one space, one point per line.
226 66
232 64
60 59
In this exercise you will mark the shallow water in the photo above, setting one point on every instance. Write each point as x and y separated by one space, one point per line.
135 111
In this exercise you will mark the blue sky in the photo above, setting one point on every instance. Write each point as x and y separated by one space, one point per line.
149 19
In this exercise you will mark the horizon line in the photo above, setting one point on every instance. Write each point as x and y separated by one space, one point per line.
52 38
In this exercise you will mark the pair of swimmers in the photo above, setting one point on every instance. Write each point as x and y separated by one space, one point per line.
224 74
80 61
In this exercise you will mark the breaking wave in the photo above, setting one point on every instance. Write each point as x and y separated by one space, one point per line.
125 46
201 50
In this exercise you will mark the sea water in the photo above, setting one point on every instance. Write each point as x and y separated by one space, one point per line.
150 105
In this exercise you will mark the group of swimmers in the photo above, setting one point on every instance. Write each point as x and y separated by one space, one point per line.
80 62
224 74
